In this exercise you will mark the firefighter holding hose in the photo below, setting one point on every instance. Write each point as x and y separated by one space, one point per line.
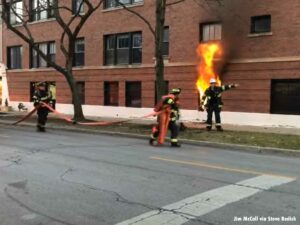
41 95
212 102
167 120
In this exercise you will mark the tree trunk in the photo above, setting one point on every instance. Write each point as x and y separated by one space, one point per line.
77 104
159 35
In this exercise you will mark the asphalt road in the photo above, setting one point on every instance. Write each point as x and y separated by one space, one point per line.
68 178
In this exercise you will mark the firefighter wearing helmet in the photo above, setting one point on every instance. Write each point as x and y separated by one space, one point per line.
169 105
41 95
212 102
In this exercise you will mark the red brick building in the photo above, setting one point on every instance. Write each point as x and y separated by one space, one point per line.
115 67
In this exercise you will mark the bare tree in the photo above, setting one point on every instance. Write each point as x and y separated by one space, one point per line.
70 26
157 31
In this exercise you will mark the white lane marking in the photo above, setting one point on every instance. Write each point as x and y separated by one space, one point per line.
201 204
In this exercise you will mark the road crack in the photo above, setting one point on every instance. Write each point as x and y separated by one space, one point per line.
28 208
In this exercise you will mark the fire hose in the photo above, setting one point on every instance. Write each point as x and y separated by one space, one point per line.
70 120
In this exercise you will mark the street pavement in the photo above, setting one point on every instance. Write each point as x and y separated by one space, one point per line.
72 178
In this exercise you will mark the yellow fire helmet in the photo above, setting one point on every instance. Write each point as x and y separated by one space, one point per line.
41 84
175 91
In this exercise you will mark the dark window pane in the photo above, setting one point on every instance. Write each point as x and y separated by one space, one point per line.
44 49
110 50
52 51
285 97
41 9
111 93
110 3
14 57
133 94
114 3
261 24
32 89
16 12
165 44
123 49
79 53
136 55
34 59
77 6
49 49
125 1
211 31
137 48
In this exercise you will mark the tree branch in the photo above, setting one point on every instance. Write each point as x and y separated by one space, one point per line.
175 2
152 30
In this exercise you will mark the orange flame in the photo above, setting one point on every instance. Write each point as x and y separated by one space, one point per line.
207 53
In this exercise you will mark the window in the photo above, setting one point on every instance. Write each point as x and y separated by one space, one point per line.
165 46
16 13
41 9
210 31
77 7
133 94
285 97
111 93
123 49
32 89
79 53
260 24
48 48
118 3
81 91
14 59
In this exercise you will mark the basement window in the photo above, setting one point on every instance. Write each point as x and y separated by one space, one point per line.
260 24
134 94
111 93
285 96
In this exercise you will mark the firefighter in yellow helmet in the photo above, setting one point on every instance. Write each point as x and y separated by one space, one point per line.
170 103
212 102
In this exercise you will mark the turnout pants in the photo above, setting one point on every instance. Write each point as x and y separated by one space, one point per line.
217 111
42 113
174 129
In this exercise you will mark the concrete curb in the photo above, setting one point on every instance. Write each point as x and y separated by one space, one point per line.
226 146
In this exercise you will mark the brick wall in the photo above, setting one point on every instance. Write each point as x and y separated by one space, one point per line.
183 21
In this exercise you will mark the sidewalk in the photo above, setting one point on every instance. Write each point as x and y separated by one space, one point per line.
196 125
248 138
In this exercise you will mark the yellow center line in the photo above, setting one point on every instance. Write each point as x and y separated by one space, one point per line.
211 166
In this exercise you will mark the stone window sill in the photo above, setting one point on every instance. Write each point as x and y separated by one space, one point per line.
260 34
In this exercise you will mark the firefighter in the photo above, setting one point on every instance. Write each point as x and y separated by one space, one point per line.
41 95
171 104
212 102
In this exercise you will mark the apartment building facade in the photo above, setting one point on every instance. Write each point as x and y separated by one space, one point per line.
114 63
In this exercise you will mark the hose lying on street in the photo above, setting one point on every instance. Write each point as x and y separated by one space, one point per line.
70 120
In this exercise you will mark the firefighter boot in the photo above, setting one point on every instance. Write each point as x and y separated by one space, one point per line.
208 128
175 144
151 141
38 128
219 128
